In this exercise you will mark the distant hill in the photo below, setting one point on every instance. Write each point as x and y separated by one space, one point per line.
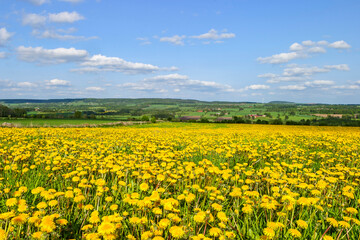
40 100
281 102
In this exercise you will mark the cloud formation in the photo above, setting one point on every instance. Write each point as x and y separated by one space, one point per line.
101 63
339 45
72 1
176 39
37 2
34 20
4 36
95 89
39 20
212 34
280 58
57 83
178 83
50 56
55 34
293 87
296 73
65 17
303 50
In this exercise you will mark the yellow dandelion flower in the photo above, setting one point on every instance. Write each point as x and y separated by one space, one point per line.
333 222
302 224
269 232
106 228
53 203
351 210
47 224
11 202
344 224
200 217
215 232
92 236
20 219
294 233
144 187
114 207
164 223
247 209
62 222
157 211
222 216
37 235
177 231
216 207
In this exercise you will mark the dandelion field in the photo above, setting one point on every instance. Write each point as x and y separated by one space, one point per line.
190 181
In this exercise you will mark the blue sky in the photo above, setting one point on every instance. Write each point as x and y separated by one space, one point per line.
302 51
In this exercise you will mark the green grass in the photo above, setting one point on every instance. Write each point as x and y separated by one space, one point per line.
53 122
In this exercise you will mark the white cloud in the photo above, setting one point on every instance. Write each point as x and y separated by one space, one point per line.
317 50
34 20
38 2
293 87
50 56
95 89
170 77
322 42
275 78
144 40
142 87
65 17
52 34
4 83
340 67
296 47
100 63
278 79
348 87
57 83
280 58
72 1
3 55
267 75
178 83
308 43
306 71
339 45
319 83
214 35
176 39
26 84
305 49
294 72
4 36
257 87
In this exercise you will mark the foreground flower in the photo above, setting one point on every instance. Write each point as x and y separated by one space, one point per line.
294 233
269 232
215 232
177 232
302 224
106 228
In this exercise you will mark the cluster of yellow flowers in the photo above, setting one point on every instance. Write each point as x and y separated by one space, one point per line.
200 181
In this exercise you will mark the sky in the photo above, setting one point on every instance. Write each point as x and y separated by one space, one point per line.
214 50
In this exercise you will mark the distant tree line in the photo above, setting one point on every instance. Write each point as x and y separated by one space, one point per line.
9 112
330 121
